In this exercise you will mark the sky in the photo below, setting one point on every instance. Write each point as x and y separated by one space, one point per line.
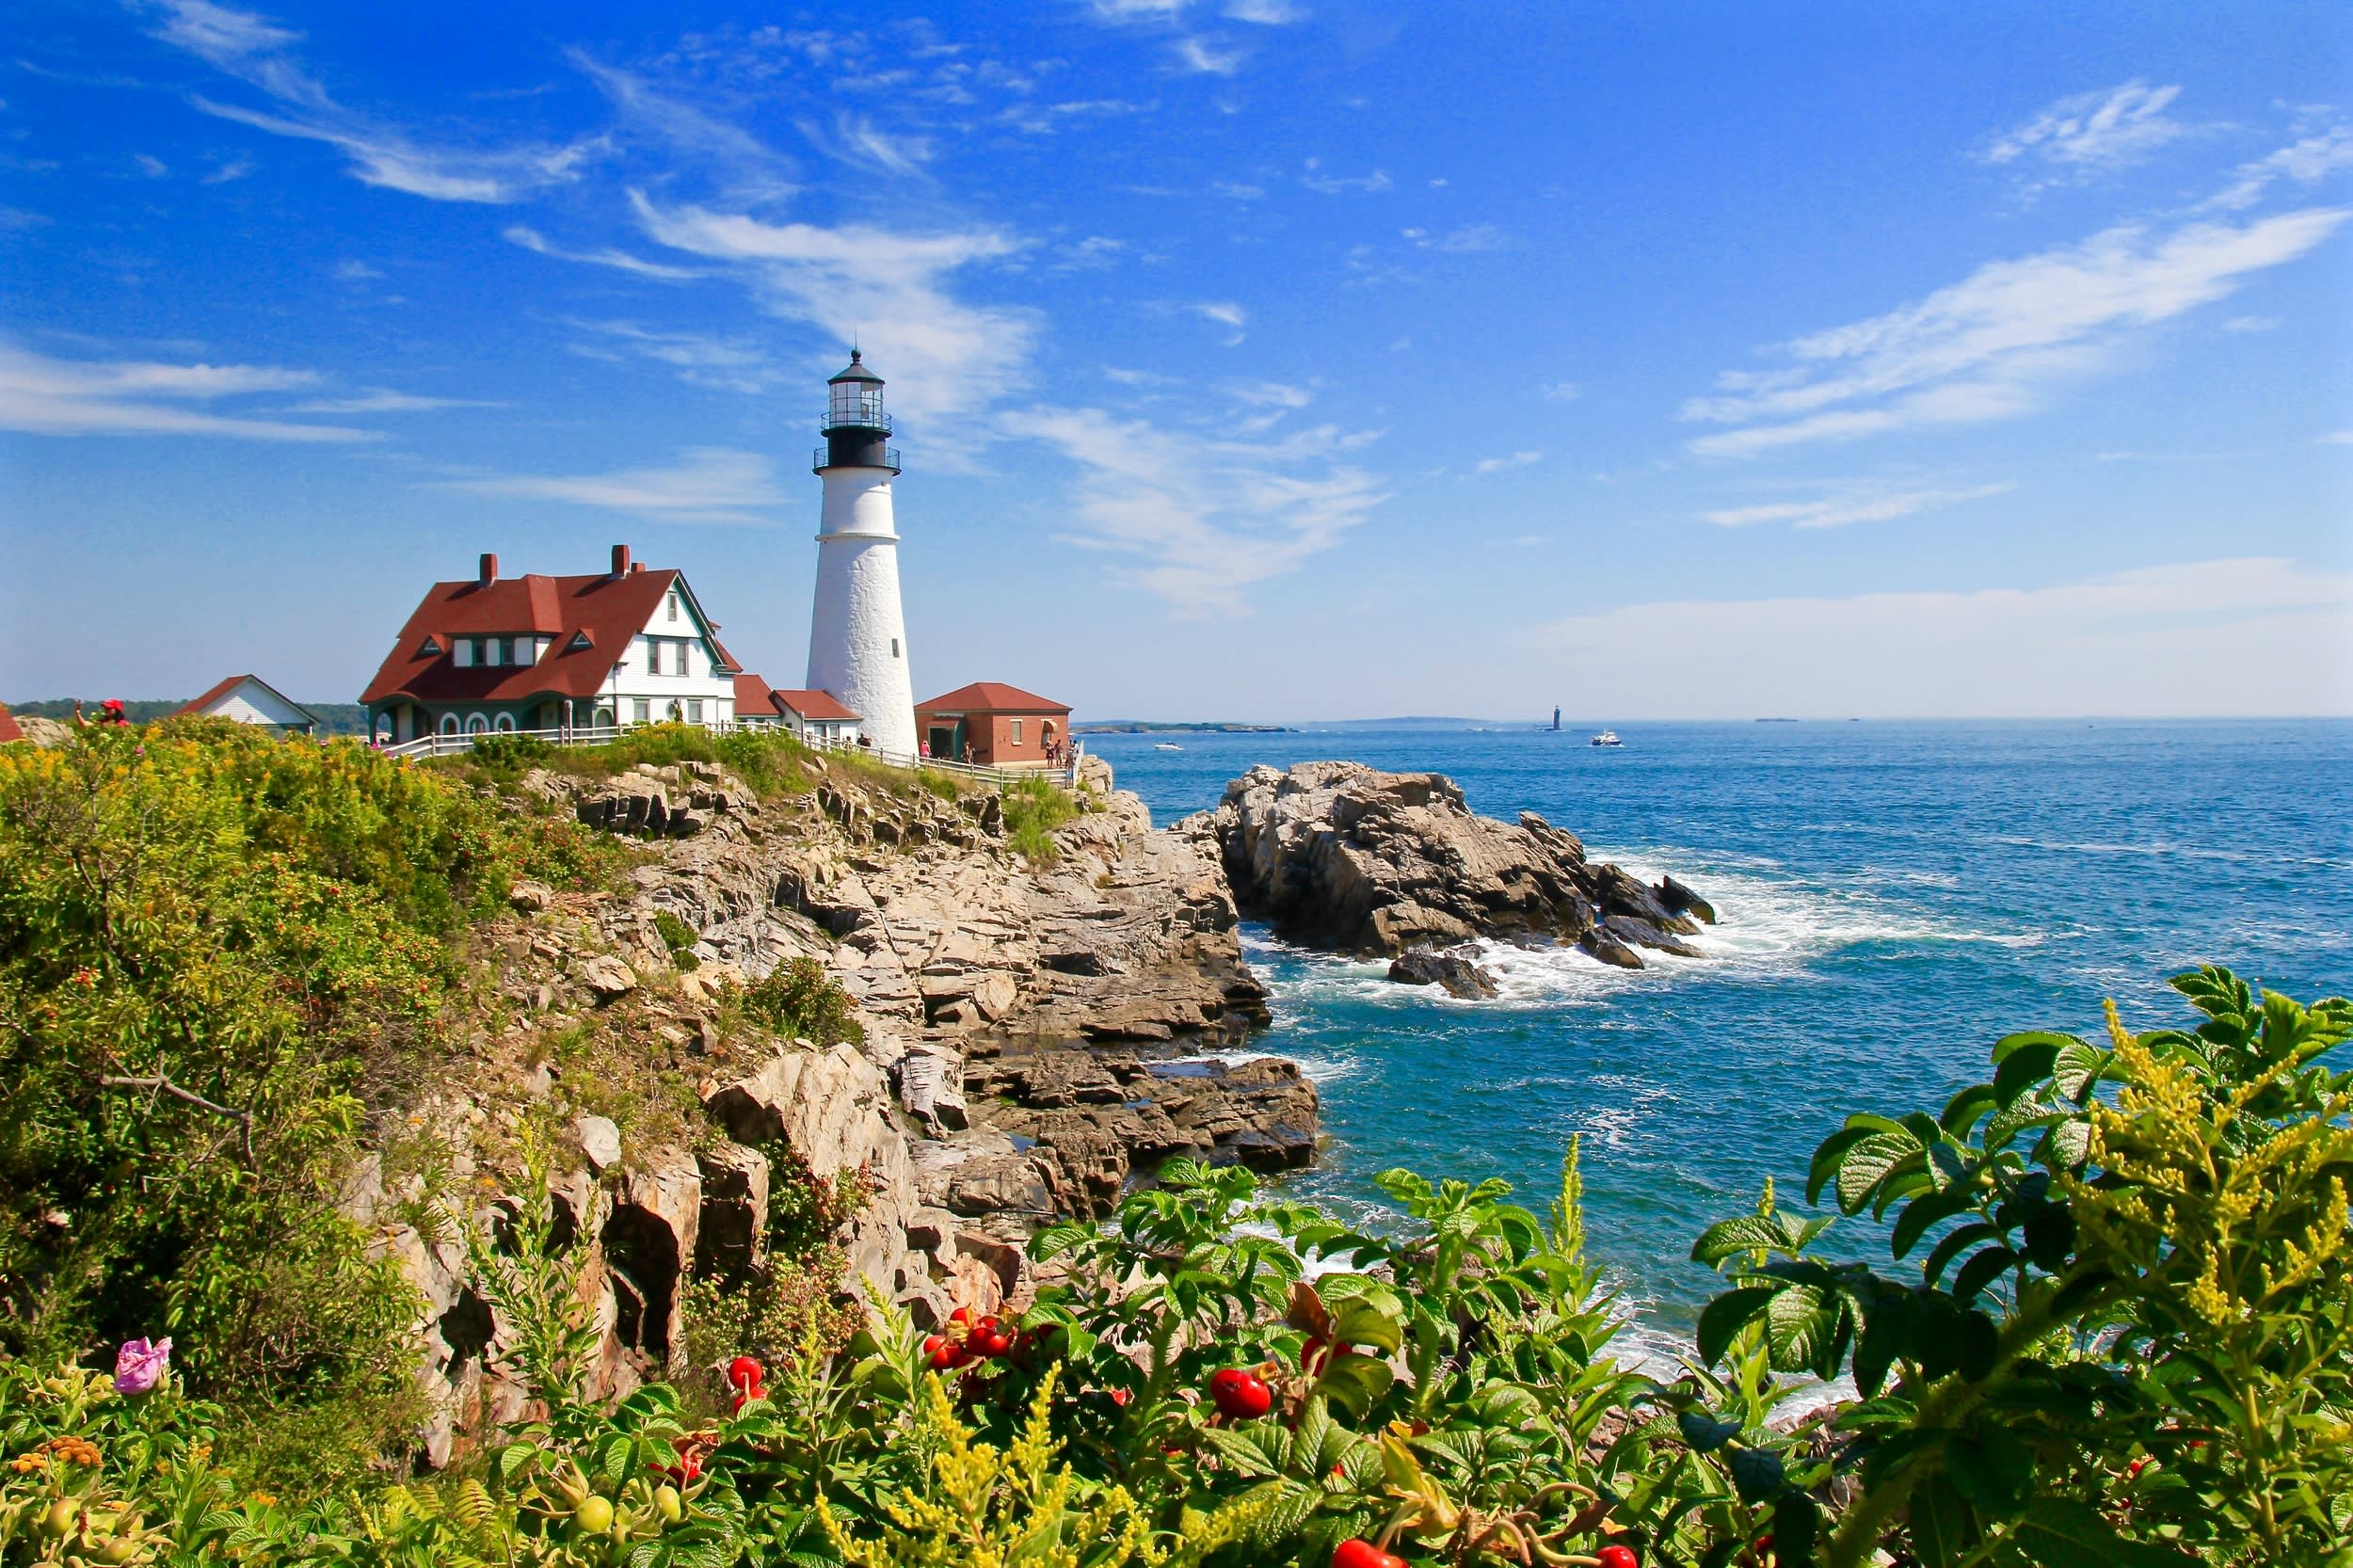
1253 359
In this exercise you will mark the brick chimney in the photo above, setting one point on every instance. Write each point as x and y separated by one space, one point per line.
621 560
490 573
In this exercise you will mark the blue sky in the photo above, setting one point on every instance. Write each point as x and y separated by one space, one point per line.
1270 359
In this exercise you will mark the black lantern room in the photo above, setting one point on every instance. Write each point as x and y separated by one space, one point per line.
857 428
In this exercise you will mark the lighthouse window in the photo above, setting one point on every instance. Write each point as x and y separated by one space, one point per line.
894 647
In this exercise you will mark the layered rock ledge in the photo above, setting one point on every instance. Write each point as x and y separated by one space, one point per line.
1344 857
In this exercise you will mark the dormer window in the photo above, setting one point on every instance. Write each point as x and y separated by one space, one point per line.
461 652
493 652
431 649
581 641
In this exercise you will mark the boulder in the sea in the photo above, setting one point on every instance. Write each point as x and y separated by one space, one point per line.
1602 945
1457 975
1680 899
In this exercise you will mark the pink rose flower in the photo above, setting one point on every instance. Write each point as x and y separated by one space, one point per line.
139 1366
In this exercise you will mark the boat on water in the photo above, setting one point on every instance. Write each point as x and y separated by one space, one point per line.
1166 745
1608 738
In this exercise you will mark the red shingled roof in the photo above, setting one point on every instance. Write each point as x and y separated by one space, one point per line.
992 696
10 731
230 683
610 610
755 696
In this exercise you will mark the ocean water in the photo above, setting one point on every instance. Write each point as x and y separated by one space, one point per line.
1893 898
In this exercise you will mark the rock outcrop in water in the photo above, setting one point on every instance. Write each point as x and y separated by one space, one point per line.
1340 856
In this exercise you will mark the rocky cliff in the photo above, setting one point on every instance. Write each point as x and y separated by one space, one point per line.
1340 856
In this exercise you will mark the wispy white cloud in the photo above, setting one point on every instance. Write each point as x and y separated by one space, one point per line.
531 239
260 53
1226 313
708 483
1848 504
133 397
383 400
151 166
2336 437
1991 345
726 364
1464 241
1207 518
2261 635
234 169
2091 134
1507 462
1334 185
856 139
1201 55
686 118
1560 392
356 271
887 289
2250 324
2325 147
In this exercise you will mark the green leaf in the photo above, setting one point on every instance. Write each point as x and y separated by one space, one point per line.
1727 1315
1796 1522
1962 1111
1881 1341
1806 1326
1353 1382
1359 1322
1944 1529
2061 1532
1829 1152
1981 1270
1757 1474
1744 1233
2025 1060
1868 1161
1993 1477
2078 1068
1704 1434
1925 1211
1953 1245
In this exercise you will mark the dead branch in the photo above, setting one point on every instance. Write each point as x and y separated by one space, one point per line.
159 1083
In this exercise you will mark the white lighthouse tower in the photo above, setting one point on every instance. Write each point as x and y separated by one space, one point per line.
857 637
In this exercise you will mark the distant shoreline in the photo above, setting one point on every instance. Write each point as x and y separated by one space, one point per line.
1137 727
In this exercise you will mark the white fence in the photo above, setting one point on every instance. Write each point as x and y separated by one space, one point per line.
450 745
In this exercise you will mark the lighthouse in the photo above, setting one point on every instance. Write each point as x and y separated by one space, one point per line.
857 636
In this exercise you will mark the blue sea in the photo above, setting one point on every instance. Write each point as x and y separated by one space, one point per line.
1894 897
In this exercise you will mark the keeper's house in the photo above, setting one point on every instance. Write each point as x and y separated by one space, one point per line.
993 725
625 646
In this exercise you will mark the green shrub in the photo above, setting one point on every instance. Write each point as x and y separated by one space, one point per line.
2129 1345
214 947
678 937
797 1001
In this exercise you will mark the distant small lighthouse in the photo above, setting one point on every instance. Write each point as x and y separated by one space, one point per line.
857 636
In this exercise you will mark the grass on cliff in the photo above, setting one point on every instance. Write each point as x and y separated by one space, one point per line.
772 761
1035 808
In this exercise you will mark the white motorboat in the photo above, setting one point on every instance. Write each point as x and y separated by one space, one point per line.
1166 745
1608 738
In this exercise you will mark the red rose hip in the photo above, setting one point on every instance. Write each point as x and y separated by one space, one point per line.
1617 1557
744 1372
1364 1554
1239 1395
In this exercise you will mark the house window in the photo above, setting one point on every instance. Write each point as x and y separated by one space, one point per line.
694 713
461 652
674 604
492 650
1017 732
604 718
642 710
449 724
506 721
477 724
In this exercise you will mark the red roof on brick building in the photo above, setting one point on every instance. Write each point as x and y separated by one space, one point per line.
991 696
591 620
755 696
